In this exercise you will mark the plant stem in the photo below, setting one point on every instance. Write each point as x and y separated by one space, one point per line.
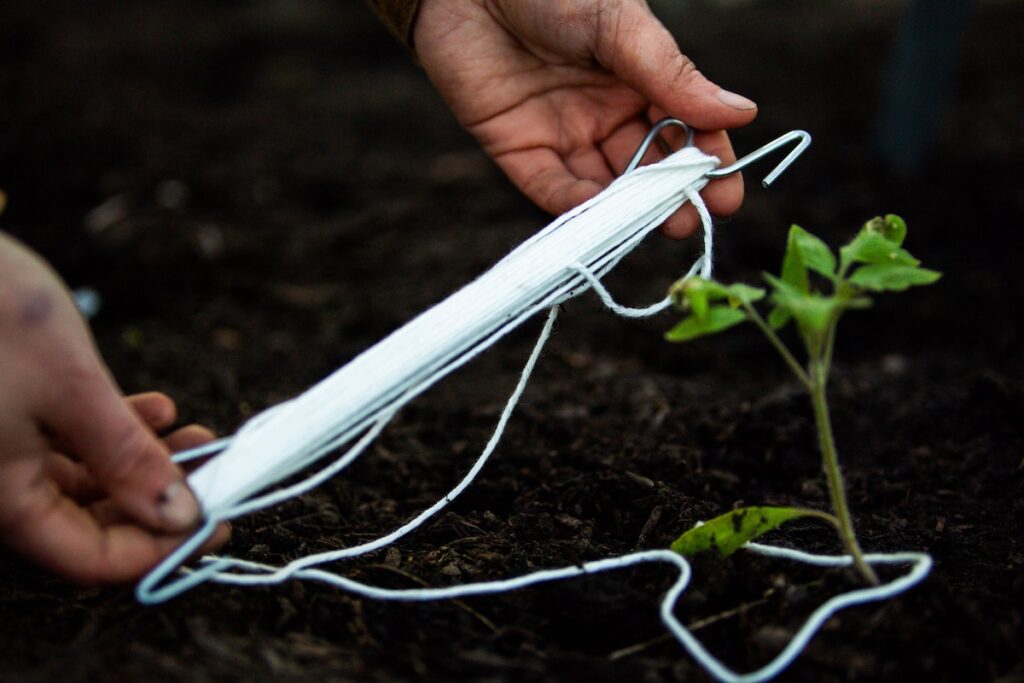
822 515
829 346
814 379
830 463
756 318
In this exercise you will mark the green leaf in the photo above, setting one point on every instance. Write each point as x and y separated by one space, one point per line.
891 227
778 318
782 293
873 247
782 286
698 300
892 277
785 296
739 294
815 254
718 318
812 311
794 271
727 533
697 294
895 228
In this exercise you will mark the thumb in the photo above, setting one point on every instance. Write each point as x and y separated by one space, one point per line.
637 48
124 455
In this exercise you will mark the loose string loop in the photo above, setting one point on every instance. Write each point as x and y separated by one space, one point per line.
256 574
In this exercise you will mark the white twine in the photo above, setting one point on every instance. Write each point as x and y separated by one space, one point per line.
535 276
355 403
261 574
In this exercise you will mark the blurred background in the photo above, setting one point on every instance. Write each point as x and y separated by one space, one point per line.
181 156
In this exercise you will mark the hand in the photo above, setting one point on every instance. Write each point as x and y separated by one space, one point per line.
561 92
87 489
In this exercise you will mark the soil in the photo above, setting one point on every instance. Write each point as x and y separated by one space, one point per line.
261 189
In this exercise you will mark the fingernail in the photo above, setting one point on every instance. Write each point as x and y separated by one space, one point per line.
177 507
735 101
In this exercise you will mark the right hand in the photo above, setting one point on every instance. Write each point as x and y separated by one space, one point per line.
561 92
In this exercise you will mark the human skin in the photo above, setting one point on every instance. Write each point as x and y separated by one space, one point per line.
560 93
87 488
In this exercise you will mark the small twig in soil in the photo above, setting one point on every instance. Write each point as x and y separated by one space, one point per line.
652 521
285 522
417 580
699 624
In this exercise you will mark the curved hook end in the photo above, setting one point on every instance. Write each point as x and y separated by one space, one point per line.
804 142
803 139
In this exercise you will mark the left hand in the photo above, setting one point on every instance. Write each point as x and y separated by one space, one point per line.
87 486
82 532
561 92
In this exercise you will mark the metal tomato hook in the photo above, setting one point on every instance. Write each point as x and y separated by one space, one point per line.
652 136
802 137
804 142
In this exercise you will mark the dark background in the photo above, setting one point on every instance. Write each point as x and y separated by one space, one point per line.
259 190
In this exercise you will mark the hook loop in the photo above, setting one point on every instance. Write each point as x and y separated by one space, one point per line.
651 136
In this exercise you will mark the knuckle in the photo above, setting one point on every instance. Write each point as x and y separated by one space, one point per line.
684 70
538 189
553 198
591 13
600 20
98 563
611 28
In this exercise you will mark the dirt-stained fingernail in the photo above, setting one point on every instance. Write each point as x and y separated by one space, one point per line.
177 507
735 100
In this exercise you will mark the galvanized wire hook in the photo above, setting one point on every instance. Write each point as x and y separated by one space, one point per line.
802 136
805 140
658 127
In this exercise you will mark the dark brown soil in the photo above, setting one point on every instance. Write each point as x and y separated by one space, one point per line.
328 196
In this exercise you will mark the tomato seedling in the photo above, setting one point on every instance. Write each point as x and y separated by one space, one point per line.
874 261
